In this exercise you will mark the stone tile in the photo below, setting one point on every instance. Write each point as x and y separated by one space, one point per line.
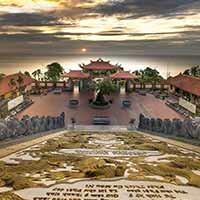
53 105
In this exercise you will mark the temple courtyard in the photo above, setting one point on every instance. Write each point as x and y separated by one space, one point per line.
53 104
100 165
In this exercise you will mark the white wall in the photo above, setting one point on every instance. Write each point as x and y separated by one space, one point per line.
187 105
15 102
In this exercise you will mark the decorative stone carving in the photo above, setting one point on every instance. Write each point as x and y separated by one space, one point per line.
189 128
30 125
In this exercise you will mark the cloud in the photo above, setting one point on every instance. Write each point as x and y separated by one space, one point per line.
143 8
117 26
189 27
30 19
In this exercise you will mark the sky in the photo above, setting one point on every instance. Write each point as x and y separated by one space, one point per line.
113 27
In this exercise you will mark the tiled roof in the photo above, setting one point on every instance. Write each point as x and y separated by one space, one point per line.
5 85
76 74
123 75
99 65
187 83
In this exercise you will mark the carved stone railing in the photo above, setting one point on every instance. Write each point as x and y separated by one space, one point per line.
189 128
29 126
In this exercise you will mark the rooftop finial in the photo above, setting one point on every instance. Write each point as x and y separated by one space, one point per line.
100 60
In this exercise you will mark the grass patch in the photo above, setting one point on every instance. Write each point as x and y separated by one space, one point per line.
9 196
17 182
90 164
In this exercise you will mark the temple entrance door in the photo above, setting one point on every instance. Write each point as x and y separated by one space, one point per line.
81 86
122 87
84 85
70 84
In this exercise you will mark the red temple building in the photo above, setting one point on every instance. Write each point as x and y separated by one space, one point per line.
98 70
99 65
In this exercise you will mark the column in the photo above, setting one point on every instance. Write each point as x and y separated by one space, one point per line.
122 88
76 88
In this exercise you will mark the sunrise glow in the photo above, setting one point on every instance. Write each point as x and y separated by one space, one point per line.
83 50
62 22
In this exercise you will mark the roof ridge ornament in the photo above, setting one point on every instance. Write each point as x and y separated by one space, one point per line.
100 60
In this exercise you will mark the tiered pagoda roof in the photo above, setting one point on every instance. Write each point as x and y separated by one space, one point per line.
76 74
99 65
124 75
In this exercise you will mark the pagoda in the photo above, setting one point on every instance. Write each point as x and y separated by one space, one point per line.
100 69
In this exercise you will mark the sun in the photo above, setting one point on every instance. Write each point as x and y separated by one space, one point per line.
83 50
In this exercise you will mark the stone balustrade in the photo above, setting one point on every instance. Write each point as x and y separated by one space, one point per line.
30 125
189 128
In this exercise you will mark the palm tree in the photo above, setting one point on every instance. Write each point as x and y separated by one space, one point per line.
37 74
46 78
34 74
20 82
12 84
193 71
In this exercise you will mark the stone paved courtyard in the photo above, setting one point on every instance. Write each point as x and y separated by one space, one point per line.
54 104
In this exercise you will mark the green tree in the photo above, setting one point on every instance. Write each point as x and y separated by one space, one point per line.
149 75
37 74
54 71
102 88
27 73
193 71
137 72
186 72
12 82
1 76
20 82
46 78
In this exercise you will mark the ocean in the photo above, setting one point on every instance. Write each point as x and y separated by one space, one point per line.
166 65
